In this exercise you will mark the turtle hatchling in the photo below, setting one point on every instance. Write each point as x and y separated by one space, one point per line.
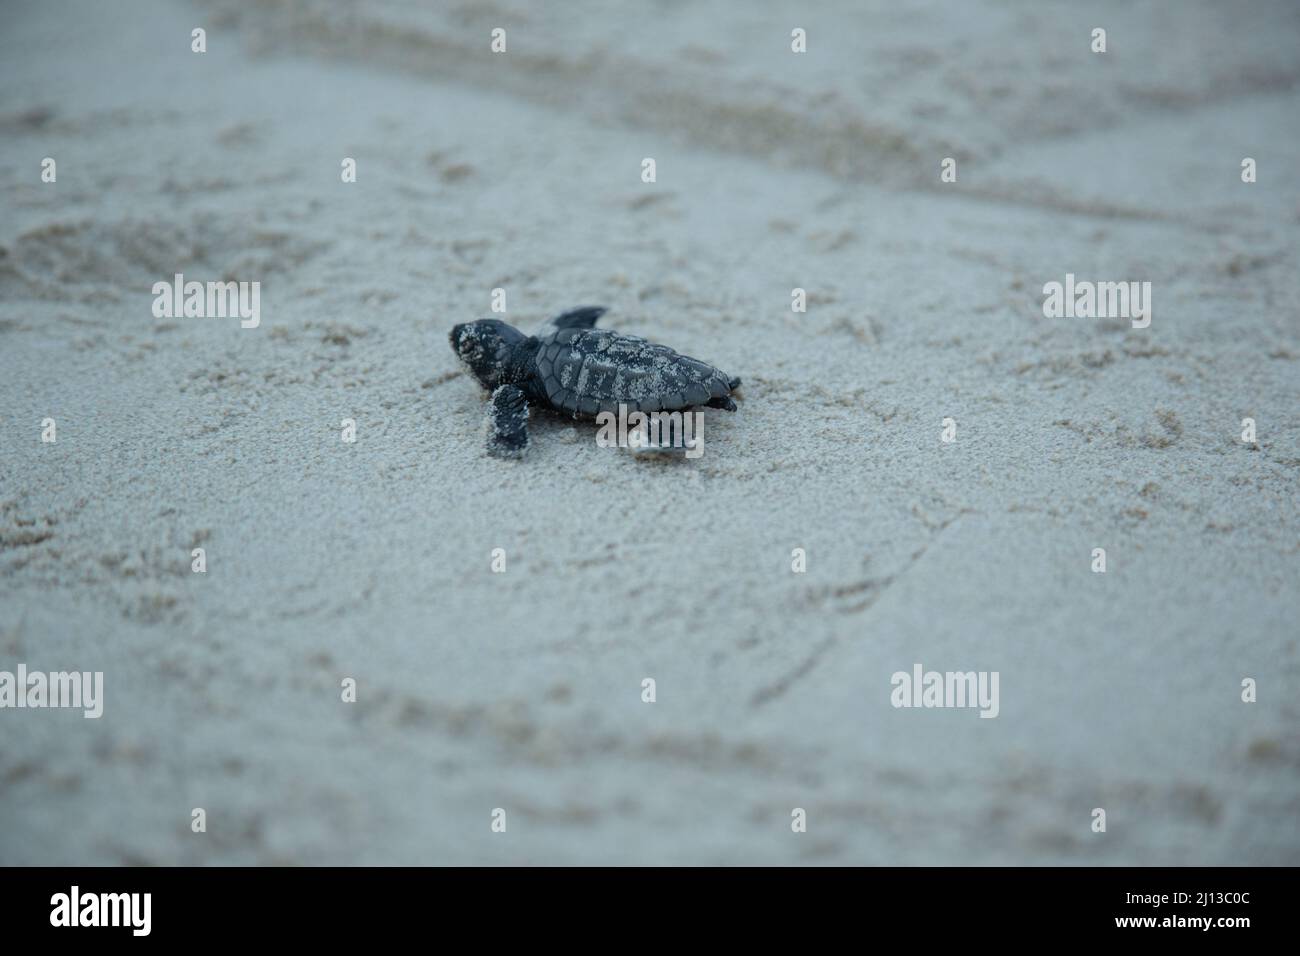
578 370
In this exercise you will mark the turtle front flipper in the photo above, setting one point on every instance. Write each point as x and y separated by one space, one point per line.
583 317
508 423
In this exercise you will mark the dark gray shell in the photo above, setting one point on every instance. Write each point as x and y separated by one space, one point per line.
585 371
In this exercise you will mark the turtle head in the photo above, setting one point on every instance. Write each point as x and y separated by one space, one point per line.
485 348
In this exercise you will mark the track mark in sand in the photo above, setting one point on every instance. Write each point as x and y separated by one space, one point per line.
1035 196
783 683
646 200
551 735
873 589
23 538
442 379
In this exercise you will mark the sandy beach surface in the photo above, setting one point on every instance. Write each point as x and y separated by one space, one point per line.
522 690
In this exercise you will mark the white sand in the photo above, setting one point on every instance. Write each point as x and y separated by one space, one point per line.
522 690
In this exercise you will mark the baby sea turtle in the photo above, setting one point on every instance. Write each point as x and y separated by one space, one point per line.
578 370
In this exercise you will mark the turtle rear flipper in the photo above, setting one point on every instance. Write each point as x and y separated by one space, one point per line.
508 423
